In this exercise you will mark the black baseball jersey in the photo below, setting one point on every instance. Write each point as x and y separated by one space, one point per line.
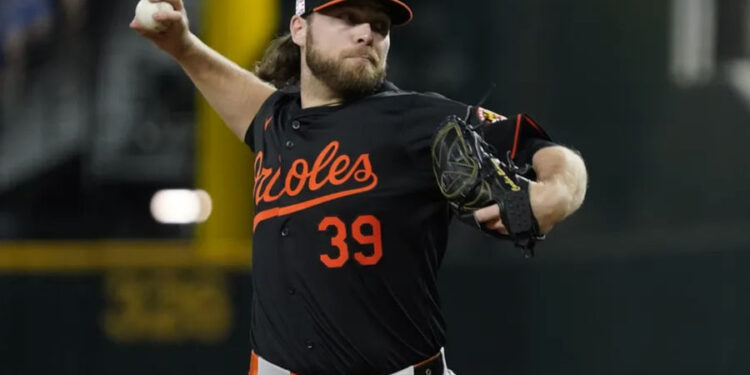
350 229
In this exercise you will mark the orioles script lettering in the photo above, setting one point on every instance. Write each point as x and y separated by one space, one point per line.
328 169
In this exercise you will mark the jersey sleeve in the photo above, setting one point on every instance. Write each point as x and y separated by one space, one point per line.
266 110
518 136
423 114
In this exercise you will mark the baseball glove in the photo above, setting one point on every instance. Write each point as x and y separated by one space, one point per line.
471 177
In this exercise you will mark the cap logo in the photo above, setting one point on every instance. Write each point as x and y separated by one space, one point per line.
300 7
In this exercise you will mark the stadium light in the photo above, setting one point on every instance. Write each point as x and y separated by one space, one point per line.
181 206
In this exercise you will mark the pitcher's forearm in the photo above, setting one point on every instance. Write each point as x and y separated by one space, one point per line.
562 183
235 93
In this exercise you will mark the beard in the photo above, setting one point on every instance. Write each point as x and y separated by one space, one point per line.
349 78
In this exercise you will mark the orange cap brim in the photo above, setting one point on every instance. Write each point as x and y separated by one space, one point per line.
399 12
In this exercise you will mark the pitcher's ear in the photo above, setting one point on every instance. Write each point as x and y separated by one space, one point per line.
298 27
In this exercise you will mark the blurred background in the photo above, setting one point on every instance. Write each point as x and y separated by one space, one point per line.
647 278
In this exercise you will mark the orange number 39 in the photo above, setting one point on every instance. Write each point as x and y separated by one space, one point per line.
369 258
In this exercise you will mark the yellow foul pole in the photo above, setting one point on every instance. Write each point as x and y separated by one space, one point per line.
239 30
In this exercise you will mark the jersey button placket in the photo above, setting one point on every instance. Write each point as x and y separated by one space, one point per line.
287 242
296 125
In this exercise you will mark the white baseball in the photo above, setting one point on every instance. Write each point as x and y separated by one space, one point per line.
144 14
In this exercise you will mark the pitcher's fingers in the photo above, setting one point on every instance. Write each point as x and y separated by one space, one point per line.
168 16
497 226
494 224
137 27
486 214
176 4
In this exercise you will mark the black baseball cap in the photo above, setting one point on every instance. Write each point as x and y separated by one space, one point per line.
399 12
